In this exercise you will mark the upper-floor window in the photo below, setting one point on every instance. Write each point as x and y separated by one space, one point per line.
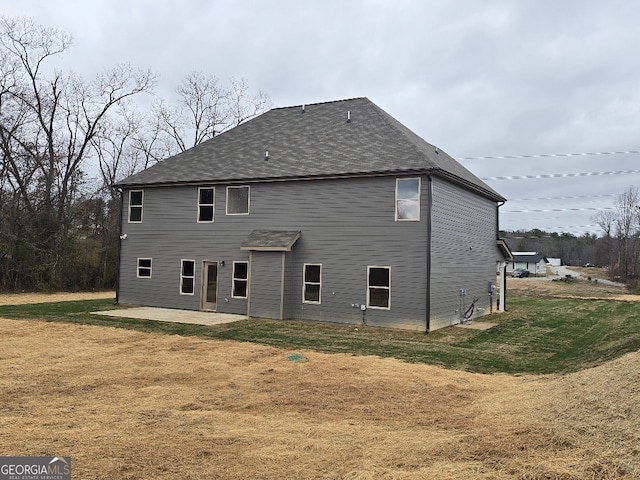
238 200
135 206
408 199
240 279
187 277
206 197
312 283
144 267
379 287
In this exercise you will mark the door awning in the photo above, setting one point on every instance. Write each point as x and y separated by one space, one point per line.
270 241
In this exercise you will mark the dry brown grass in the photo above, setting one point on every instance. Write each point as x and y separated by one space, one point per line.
24 298
130 405
576 288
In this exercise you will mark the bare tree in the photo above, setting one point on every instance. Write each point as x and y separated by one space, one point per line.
623 224
204 109
48 121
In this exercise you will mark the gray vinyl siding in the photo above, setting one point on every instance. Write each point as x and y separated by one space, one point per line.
345 225
463 251
266 285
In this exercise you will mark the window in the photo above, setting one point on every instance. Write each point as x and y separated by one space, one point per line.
312 283
187 277
408 199
379 287
144 267
135 206
237 200
240 279
205 204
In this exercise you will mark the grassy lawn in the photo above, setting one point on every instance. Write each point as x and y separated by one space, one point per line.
537 336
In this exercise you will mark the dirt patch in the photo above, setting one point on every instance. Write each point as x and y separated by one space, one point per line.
133 405
25 298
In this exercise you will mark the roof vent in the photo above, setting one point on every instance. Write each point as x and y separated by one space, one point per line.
302 108
348 116
266 155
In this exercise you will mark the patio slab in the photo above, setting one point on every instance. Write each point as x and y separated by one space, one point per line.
174 315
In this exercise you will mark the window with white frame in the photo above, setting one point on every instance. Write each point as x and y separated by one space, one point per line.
312 284
379 287
408 199
135 206
206 196
187 277
240 279
144 268
238 200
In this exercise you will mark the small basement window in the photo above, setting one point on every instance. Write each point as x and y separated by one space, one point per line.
135 206
206 204
238 200
379 287
144 268
312 285
408 199
187 277
240 279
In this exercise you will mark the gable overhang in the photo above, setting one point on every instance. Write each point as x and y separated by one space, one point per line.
504 249
270 241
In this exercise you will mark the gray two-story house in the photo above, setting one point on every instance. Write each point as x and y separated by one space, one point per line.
330 212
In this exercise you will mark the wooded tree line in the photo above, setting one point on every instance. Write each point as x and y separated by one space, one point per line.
65 140
618 248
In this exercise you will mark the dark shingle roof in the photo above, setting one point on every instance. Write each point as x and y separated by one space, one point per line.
270 240
317 141
535 258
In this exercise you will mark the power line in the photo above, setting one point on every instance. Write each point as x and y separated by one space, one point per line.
561 175
561 198
584 209
550 155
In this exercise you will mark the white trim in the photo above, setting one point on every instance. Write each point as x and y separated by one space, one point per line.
141 206
233 279
248 187
369 267
212 205
305 283
138 267
182 260
398 180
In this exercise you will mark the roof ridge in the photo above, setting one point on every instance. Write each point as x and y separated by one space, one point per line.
321 103
396 127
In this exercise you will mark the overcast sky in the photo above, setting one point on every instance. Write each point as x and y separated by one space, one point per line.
477 78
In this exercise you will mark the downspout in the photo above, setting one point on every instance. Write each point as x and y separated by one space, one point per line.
428 293
498 218
503 287
117 299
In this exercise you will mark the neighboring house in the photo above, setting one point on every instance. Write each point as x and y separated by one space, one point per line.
332 212
554 262
535 262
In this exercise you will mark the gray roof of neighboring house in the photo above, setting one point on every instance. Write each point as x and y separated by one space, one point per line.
313 141
535 258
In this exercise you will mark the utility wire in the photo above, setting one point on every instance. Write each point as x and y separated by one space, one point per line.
584 209
561 175
550 155
561 198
